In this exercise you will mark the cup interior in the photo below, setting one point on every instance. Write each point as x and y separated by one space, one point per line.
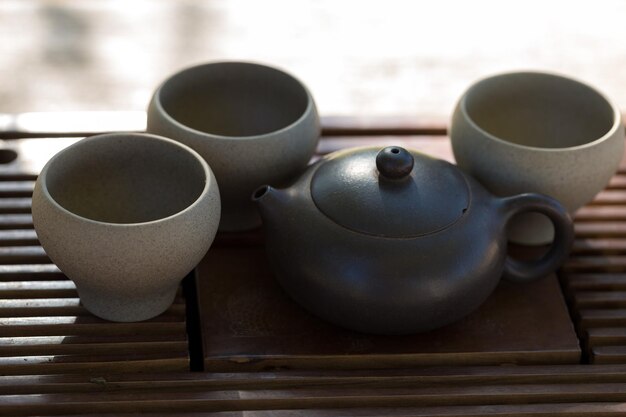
539 110
234 99
125 178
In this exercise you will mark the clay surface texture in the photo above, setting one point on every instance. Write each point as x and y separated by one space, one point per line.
537 132
126 217
253 124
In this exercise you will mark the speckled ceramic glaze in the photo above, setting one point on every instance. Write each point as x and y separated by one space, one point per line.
253 124
537 132
126 217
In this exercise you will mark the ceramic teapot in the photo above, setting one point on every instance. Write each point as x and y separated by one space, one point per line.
393 241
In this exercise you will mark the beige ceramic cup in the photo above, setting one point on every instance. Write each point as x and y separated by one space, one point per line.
253 124
126 217
537 132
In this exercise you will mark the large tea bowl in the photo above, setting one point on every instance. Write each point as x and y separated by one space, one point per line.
126 217
252 123
524 132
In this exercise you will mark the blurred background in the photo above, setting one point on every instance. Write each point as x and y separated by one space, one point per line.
361 58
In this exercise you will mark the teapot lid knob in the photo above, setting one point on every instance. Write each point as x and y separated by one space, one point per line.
394 162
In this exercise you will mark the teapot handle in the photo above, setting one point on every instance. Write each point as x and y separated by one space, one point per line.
522 271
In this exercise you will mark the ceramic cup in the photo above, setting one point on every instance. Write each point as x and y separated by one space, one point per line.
537 132
126 217
253 124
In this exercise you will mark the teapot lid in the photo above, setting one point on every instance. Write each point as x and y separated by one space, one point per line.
390 192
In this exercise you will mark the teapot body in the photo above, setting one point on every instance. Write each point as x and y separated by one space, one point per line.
395 242
384 285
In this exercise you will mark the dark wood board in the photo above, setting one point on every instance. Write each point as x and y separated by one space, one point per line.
249 323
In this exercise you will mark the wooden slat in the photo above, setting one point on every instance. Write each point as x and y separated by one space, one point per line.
617 182
95 350
18 237
603 318
600 299
16 221
608 229
169 363
364 378
596 281
12 364
599 246
352 396
112 329
205 401
28 272
15 205
596 263
171 315
607 336
5 342
38 289
49 307
610 196
23 255
16 189
609 354
599 409
601 213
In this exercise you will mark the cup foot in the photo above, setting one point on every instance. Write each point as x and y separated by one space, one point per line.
532 229
114 307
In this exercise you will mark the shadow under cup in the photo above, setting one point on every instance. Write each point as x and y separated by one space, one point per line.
126 217
537 132
253 124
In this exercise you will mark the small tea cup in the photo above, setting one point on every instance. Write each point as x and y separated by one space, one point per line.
537 132
253 124
126 217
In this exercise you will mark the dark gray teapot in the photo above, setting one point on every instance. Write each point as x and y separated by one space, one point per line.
393 241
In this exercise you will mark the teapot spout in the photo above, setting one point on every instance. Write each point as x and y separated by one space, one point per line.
272 202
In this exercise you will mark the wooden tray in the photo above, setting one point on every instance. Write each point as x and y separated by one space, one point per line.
248 323
56 359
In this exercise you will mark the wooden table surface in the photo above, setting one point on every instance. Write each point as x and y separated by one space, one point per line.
553 347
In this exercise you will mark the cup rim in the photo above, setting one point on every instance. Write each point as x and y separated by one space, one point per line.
159 106
42 179
617 116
